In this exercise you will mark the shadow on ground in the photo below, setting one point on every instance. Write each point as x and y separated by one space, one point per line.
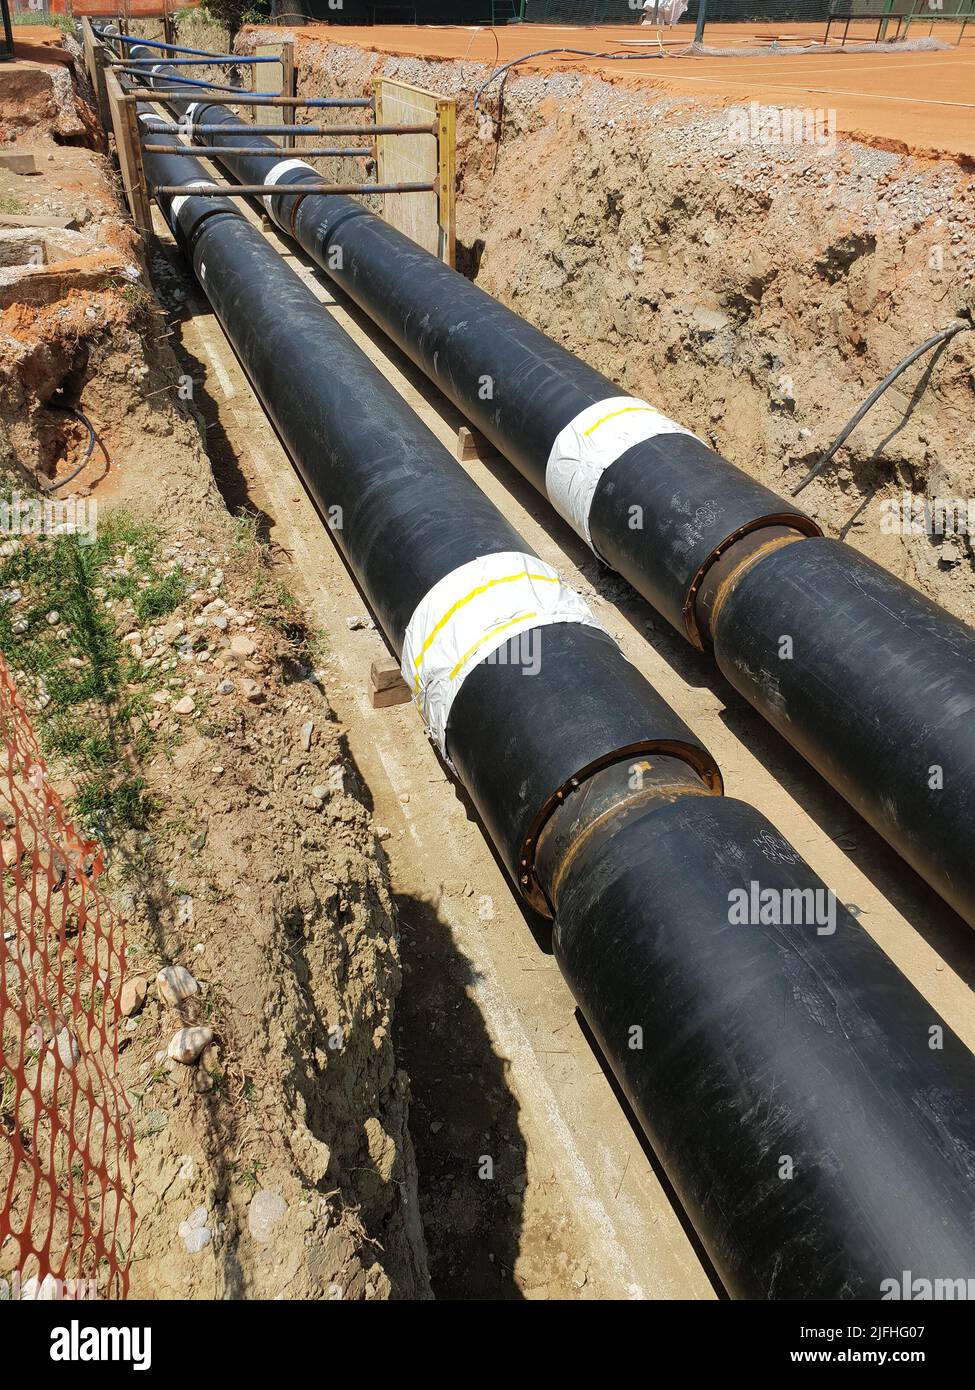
463 1116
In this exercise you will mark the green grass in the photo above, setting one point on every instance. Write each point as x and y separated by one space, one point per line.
56 21
96 717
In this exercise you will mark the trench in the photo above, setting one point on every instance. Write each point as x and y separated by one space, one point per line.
427 925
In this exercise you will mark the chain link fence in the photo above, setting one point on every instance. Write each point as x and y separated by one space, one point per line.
66 1148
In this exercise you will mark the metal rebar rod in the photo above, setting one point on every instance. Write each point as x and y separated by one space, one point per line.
326 130
215 61
254 190
157 43
319 152
190 128
250 99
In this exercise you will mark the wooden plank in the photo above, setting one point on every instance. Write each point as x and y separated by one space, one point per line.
426 218
447 179
124 122
88 48
289 86
265 77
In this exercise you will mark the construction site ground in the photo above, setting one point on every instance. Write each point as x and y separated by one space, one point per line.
498 1062
912 101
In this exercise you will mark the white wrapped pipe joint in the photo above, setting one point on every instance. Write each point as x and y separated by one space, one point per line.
589 444
468 615
283 166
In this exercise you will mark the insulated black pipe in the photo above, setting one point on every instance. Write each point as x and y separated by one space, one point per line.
810 1042
787 1077
405 517
790 633
664 513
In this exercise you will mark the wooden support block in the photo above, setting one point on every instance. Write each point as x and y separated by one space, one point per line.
18 163
388 685
385 673
395 695
471 445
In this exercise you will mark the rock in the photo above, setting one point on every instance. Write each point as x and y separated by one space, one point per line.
226 687
186 1045
708 322
68 1050
54 617
252 690
267 1208
307 730
219 621
383 832
319 791
240 645
133 995
184 706
357 623
175 984
194 1231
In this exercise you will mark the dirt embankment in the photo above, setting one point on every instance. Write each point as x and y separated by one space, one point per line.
755 290
278 1161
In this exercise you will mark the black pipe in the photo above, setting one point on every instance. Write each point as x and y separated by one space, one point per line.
810 1042
597 794
405 517
789 634
663 514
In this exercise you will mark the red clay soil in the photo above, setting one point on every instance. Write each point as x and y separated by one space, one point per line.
40 43
911 102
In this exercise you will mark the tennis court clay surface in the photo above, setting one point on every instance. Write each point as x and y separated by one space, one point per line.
917 102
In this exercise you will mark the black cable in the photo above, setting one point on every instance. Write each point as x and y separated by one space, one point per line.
874 396
73 410
575 52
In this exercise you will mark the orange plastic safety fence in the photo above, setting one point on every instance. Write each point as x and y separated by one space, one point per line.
66 1149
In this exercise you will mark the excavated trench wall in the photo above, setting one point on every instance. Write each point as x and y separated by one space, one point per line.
754 290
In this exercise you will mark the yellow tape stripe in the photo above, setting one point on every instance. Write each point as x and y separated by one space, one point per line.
625 410
487 636
481 589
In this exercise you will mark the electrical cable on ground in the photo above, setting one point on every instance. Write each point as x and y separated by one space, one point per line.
875 394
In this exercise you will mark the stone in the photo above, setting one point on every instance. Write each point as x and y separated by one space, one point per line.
241 645
175 984
184 706
186 1045
194 1231
252 690
266 1210
133 995
307 730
